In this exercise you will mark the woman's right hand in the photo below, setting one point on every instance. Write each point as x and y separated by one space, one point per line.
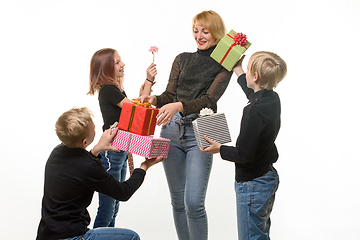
146 98
167 111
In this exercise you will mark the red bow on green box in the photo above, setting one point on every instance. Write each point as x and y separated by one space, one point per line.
230 48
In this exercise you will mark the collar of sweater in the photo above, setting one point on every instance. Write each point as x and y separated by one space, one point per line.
206 52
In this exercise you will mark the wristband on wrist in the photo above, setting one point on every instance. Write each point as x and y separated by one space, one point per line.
149 81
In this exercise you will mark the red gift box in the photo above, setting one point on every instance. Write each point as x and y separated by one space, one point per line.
146 146
138 118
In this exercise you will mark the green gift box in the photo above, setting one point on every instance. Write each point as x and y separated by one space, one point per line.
230 48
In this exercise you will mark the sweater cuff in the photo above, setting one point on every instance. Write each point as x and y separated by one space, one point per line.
241 78
185 109
140 171
98 157
223 152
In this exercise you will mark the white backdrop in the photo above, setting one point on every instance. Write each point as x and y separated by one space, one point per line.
46 48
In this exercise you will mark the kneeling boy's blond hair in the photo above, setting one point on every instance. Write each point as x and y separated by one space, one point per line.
73 126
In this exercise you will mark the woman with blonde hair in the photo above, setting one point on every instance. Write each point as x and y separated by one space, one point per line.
196 81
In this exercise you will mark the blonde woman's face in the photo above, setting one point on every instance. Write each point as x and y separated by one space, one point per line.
119 66
204 39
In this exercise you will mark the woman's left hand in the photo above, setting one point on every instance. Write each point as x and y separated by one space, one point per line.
167 111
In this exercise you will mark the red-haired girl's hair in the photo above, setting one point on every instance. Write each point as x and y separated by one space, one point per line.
102 71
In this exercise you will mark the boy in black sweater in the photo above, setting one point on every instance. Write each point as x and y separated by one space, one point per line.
255 150
72 174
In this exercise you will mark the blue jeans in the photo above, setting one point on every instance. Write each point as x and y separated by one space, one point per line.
187 171
255 200
107 234
114 163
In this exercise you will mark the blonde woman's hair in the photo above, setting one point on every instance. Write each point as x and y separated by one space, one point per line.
73 126
269 66
212 21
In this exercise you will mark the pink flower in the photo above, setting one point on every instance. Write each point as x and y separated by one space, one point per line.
153 50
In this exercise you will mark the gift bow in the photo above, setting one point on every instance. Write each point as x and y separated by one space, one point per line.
138 103
206 112
239 39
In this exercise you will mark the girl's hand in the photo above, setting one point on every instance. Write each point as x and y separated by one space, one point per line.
213 148
167 111
238 67
151 72
142 87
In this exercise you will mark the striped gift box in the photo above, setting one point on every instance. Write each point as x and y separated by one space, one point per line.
122 140
214 126
146 146
149 146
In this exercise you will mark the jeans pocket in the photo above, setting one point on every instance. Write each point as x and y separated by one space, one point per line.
263 194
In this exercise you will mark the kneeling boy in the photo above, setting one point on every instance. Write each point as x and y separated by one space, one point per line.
72 174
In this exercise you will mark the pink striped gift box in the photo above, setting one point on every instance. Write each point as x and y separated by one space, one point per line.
146 146
122 140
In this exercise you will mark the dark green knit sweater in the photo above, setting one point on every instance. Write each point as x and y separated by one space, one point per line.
196 80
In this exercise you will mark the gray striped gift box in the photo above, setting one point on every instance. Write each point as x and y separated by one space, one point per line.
213 126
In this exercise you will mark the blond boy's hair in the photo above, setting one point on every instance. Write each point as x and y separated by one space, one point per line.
269 66
212 21
73 126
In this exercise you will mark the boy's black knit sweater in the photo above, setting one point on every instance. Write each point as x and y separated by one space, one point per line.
71 177
255 147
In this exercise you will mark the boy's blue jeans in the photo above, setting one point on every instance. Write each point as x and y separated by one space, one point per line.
116 164
107 234
255 200
187 171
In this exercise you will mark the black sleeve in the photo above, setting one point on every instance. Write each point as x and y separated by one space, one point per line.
111 94
213 94
243 84
168 95
248 140
103 182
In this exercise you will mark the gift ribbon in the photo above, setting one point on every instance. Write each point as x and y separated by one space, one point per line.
128 146
138 103
130 162
239 39
151 117
131 117
159 149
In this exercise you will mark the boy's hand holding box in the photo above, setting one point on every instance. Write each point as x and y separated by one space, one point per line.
138 118
230 48
211 125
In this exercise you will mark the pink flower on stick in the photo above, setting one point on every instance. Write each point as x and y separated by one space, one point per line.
153 50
